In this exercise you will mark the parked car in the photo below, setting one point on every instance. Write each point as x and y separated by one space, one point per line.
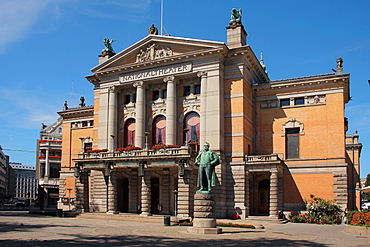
365 206
20 203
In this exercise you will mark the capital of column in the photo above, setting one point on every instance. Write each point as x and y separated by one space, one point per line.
138 84
112 89
169 78
202 74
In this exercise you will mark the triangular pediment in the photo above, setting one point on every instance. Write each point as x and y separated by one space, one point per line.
155 47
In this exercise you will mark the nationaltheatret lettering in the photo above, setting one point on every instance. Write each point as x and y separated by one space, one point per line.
157 72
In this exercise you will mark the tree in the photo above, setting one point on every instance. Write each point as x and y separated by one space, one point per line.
366 196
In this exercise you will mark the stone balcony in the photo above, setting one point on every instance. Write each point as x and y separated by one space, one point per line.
154 156
261 159
50 144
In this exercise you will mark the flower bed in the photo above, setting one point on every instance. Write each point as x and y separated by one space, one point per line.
97 150
163 146
39 141
128 149
359 218
51 157
320 211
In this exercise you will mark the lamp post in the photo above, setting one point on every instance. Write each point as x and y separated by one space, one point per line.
112 142
175 210
186 137
146 141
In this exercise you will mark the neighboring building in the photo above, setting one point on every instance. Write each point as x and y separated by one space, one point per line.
279 141
48 162
25 181
4 164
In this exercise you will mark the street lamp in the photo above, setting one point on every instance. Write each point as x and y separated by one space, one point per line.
175 210
146 141
186 137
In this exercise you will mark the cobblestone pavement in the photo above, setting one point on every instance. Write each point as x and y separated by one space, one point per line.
23 229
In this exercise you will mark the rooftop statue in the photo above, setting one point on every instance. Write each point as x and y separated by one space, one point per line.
236 15
82 102
108 45
339 63
207 160
153 30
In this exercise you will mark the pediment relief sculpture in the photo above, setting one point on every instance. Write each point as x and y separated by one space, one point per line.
153 51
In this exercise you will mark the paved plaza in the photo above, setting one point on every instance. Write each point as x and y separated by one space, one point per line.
18 228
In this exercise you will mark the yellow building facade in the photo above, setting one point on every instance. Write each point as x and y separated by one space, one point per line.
159 100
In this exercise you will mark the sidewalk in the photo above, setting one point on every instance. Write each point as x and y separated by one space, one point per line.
18 229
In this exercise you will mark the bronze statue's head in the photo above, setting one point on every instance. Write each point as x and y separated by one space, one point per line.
206 146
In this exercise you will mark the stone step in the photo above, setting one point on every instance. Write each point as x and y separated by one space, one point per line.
126 217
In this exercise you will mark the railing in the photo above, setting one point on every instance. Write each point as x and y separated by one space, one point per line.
261 158
170 152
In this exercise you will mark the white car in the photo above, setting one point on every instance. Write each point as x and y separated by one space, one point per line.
365 206
20 203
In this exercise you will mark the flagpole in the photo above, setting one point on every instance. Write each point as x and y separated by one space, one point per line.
161 17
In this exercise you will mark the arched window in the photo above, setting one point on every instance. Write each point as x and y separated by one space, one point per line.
159 130
129 133
192 123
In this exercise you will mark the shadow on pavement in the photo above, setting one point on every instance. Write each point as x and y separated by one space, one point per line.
130 240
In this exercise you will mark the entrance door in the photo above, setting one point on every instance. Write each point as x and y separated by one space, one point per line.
155 195
122 195
264 196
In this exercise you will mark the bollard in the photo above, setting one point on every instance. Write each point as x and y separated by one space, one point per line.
167 220
59 212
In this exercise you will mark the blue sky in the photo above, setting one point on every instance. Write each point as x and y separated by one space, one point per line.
49 46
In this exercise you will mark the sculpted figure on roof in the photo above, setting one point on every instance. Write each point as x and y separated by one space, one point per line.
236 15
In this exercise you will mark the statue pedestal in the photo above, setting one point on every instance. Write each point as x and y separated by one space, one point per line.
204 221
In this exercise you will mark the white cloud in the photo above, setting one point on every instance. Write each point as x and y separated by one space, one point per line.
19 17
26 109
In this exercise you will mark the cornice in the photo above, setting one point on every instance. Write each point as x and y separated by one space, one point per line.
127 68
307 82
77 112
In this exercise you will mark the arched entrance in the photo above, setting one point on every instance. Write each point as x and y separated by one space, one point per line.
122 195
155 195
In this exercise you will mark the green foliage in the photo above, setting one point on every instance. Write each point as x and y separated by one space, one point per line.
349 216
366 196
320 211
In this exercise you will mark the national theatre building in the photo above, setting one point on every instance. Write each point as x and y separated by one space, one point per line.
158 101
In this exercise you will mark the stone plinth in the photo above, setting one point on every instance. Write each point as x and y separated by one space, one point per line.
204 221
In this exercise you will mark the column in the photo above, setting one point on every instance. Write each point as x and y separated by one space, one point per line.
81 193
273 194
171 113
146 194
247 194
47 166
140 113
112 193
111 128
185 200
203 106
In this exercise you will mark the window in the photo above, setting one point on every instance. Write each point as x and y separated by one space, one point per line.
285 102
126 99
155 95
187 91
165 94
129 133
292 143
87 147
299 101
159 130
197 89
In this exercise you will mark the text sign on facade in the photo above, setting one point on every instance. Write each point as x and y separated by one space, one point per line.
156 72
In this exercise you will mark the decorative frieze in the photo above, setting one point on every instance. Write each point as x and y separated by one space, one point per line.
153 51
